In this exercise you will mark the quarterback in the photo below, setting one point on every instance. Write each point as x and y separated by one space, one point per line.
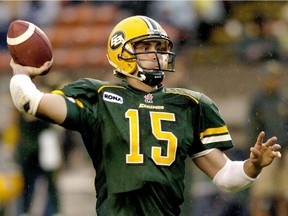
137 132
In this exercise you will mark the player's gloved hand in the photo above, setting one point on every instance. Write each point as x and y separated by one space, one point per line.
30 71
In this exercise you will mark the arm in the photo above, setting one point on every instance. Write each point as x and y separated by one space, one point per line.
237 175
28 99
52 107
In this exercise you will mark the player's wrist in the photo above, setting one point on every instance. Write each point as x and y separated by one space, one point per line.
251 169
26 97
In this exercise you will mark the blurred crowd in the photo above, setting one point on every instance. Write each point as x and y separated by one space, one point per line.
254 31
211 37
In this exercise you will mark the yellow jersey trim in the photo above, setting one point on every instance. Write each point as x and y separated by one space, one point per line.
213 131
102 87
77 101
187 95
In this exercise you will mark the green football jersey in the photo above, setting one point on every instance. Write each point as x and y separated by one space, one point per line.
139 141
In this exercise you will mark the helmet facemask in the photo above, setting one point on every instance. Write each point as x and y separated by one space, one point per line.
164 58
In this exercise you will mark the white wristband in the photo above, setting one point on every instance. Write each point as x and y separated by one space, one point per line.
232 177
26 97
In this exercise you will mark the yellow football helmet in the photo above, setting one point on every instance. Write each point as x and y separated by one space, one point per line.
122 55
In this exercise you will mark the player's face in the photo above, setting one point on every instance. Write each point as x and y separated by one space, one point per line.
149 54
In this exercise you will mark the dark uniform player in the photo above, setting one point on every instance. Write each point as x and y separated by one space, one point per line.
145 138
139 133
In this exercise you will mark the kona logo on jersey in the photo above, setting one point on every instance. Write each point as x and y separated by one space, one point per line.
116 40
110 97
146 106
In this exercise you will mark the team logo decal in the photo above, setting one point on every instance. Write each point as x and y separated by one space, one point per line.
116 40
148 98
114 98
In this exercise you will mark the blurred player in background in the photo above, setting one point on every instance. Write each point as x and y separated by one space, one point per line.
34 133
268 112
139 133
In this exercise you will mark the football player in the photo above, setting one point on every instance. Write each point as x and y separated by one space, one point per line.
139 133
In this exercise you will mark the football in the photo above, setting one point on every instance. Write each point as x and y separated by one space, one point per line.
28 44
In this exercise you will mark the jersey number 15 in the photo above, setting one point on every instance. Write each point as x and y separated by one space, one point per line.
135 156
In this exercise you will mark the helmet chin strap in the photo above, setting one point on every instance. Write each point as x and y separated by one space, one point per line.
151 78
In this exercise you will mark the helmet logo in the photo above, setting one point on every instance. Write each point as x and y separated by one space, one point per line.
117 40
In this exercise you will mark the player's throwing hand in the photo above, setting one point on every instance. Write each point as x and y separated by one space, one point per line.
30 71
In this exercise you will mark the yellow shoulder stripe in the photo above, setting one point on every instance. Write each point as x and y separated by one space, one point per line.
59 92
187 95
77 101
102 87
211 131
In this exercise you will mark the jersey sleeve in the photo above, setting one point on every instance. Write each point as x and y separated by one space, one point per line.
81 100
211 129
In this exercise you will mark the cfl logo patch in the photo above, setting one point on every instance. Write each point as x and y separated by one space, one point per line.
117 40
114 98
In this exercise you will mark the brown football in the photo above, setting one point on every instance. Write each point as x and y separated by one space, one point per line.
28 44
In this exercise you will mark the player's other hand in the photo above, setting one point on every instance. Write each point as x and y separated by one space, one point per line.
263 153
30 71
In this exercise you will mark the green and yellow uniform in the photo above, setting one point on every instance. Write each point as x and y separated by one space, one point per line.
139 141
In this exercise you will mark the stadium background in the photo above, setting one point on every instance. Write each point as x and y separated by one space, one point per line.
79 33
